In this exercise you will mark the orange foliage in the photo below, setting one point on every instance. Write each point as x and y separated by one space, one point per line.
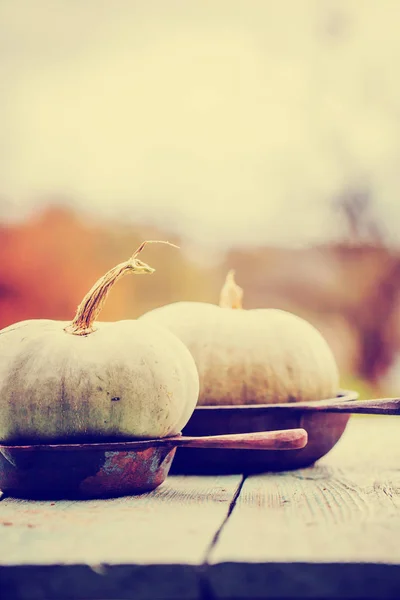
48 263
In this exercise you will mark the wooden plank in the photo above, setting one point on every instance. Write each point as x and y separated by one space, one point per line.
298 534
179 582
346 509
115 582
368 442
153 543
322 581
174 524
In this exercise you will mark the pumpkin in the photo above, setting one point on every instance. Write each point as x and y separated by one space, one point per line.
257 356
89 380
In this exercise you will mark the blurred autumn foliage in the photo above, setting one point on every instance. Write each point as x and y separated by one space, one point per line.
49 262
349 290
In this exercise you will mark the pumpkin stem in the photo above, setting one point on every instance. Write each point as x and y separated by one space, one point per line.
231 294
91 305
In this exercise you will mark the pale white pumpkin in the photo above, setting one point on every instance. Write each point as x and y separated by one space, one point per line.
258 356
93 381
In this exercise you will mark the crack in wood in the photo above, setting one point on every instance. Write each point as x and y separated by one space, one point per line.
217 534
205 588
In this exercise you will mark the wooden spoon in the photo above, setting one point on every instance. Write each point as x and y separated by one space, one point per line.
286 439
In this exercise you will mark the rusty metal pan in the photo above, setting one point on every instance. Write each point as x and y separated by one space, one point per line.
108 469
325 421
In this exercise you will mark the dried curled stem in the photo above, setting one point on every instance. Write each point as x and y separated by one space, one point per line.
91 305
231 294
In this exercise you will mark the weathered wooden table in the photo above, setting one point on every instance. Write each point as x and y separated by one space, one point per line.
329 531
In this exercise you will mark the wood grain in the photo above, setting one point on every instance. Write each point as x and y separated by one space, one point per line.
175 524
346 509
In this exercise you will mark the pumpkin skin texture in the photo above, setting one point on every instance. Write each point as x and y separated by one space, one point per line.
258 356
121 380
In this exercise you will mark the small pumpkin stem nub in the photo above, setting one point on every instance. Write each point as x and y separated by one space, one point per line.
231 294
91 305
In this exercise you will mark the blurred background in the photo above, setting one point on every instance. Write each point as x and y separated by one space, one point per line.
258 135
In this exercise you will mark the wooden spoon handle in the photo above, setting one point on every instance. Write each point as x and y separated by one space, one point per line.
379 406
286 439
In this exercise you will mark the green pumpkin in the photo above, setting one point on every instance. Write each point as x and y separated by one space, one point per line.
88 380
259 356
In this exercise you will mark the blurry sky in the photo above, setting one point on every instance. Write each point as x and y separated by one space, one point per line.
231 120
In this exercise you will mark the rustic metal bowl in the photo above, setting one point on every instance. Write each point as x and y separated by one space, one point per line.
101 469
82 470
324 431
